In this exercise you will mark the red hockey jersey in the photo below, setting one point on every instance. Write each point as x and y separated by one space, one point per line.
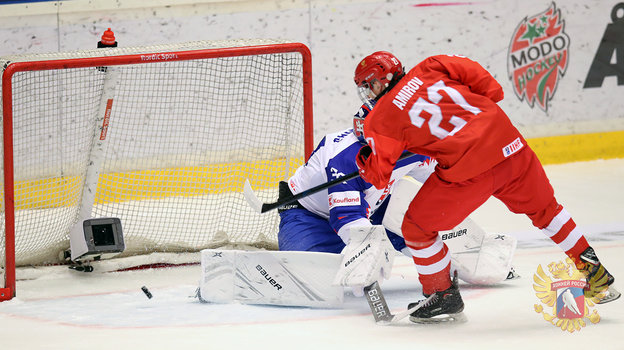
445 108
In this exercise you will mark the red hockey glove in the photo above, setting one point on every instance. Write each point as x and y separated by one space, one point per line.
361 157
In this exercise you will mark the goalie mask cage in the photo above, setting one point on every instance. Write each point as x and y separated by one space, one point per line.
162 137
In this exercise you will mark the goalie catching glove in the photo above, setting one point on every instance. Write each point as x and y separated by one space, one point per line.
367 257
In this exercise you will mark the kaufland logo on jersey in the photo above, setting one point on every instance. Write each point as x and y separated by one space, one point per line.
340 199
538 57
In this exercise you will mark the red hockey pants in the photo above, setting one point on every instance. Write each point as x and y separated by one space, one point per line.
519 182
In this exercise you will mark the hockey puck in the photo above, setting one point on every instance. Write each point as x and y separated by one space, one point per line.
147 292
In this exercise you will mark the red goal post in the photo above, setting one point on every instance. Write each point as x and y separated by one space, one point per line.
162 137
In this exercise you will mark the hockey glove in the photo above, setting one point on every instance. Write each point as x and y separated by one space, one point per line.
361 157
367 257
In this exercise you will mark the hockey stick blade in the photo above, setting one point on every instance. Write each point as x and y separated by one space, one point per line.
260 207
253 200
380 309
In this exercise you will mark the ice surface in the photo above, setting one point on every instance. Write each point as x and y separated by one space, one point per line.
58 308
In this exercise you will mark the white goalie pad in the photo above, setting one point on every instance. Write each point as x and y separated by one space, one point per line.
465 236
270 277
478 257
402 194
488 264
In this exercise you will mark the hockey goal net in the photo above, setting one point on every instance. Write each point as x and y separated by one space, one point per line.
162 137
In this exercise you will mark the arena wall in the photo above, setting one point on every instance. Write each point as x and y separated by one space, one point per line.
561 63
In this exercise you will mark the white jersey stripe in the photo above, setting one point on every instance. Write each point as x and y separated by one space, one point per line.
557 223
428 252
571 240
436 267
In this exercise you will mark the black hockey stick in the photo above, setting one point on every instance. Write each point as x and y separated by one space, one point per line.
260 207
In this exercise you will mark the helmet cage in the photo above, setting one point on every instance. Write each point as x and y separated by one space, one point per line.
365 93
358 120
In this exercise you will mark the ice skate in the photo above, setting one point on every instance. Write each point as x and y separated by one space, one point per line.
599 279
445 306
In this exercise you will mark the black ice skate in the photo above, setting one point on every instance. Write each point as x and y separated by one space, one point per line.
445 306
599 279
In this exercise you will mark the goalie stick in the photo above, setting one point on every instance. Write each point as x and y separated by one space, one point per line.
379 307
260 207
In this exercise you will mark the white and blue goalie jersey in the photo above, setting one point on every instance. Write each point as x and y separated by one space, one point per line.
346 202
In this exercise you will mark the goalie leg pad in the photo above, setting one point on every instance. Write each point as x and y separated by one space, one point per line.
402 195
488 265
270 277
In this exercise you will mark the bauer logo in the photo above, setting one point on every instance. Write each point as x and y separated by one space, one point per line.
268 277
538 57
563 301
453 234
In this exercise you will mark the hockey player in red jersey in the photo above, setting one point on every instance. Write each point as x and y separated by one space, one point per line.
446 108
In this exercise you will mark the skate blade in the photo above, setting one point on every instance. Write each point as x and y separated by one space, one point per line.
610 295
441 319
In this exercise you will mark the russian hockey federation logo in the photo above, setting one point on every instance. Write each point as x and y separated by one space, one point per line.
564 293
538 57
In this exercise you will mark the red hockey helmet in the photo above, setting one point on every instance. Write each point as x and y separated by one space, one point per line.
381 67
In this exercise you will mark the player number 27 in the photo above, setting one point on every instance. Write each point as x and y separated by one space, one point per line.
432 108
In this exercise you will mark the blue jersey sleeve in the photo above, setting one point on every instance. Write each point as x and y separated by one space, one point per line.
346 200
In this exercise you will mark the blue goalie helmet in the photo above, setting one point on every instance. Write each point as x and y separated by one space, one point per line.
358 120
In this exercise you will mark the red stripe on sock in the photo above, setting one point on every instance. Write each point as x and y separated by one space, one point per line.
432 259
575 252
564 231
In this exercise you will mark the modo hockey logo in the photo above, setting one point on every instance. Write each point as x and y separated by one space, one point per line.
538 57
564 293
